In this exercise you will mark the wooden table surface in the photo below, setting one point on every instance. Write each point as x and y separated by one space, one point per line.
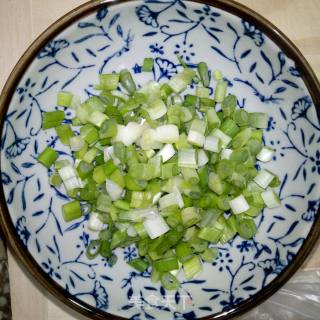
21 21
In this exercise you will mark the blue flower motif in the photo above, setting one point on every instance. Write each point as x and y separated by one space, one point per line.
207 12
5 178
244 246
271 124
148 16
272 265
184 51
100 296
129 253
294 72
166 68
137 69
22 230
23 91
17 147
223 259
315 162
52 48
300 108
50 270
156 48
252 32
310 214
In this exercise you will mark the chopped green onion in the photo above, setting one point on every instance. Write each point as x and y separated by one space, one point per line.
204 73
169 281
162 169
258 120
265 154
109 82
64 99
187 159
239 204
71 211
263 178
47 157
271 199
192 267
147 65
127 81
220 91
52 119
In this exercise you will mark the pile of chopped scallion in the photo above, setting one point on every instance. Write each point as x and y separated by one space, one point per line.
175 174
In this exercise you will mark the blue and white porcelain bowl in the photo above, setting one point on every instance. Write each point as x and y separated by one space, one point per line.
264 70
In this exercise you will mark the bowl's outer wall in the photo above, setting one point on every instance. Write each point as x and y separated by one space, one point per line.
13 82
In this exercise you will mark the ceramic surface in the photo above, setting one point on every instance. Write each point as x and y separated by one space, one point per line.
121 36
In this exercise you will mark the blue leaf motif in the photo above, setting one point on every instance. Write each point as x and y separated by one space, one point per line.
114 19
60 194
35 147
246 280
119 30
83 25
104 277
149 316
291 208
182 4
182 14
265 58
249 288
150 34
5 178
177 297
38 197
280 89
21 114
127 307
11 196
150 288
162 291
245 53
283 115
282 59
296 243
87 37
292 227
73 226
311 188
205 308
15 168
129 293
38 213
253 67
102 13
27 165
290 83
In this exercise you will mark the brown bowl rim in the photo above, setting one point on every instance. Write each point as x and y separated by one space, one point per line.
27 259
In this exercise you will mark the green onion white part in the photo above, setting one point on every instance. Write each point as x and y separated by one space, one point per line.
265 154
239 204
263 178
271 199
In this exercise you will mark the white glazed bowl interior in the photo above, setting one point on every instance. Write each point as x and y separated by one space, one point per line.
263 79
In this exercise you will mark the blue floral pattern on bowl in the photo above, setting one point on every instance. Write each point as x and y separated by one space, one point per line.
263 79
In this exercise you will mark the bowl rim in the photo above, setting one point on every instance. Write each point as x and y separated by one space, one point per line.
25 257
